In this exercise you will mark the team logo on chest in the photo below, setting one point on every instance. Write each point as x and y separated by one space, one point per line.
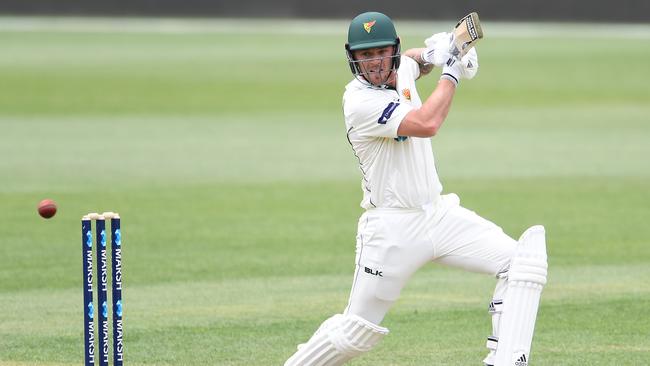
407 94
368 26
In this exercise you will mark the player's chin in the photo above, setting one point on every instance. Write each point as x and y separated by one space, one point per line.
378 78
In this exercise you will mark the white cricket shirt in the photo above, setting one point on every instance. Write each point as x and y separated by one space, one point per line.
397 172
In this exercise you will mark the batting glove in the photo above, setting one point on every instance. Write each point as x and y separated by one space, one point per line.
437 50
466 68
452 70
470 64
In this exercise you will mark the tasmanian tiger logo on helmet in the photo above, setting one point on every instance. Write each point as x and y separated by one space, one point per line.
368 26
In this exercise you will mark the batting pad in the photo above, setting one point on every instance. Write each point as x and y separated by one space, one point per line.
526 277
338 340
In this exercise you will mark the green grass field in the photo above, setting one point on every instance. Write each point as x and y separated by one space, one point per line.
222 145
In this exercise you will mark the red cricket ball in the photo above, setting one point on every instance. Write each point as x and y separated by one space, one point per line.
47 208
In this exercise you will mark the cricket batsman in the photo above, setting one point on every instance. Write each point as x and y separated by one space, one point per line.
408 222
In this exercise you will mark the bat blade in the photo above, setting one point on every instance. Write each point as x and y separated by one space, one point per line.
467 33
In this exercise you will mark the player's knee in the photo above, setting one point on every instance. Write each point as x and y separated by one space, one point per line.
529 263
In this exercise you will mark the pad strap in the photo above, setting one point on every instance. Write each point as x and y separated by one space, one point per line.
495 307
492 343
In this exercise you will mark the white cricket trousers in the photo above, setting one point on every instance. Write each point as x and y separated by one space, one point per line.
394 243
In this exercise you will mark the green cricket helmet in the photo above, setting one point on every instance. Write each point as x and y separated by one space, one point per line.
371 30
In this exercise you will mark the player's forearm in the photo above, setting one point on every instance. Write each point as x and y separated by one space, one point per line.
437 106
427 120
416 54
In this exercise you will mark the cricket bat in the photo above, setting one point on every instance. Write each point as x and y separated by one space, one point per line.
466 33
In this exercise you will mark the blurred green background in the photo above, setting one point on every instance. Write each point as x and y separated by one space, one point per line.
222 145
